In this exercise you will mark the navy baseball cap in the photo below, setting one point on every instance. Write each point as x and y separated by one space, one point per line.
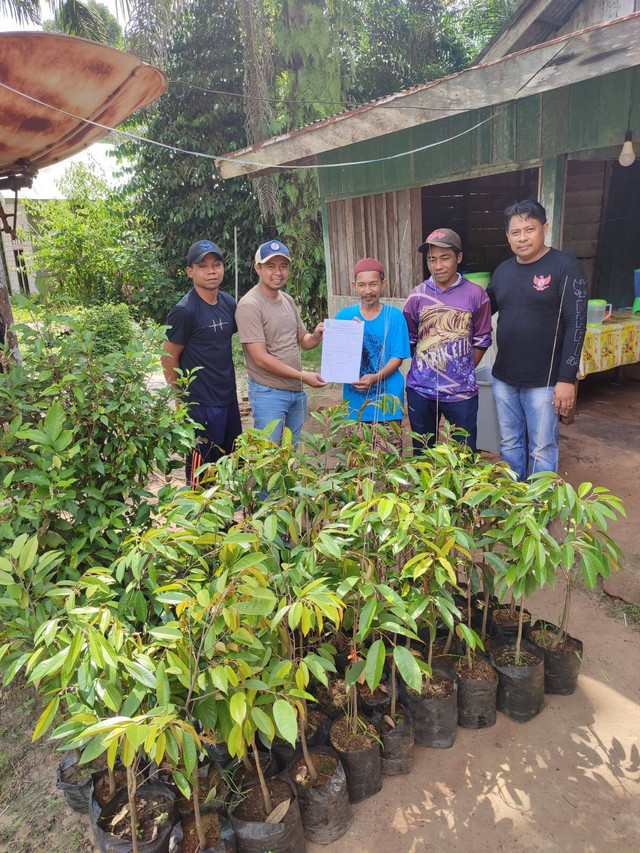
271 249
198 251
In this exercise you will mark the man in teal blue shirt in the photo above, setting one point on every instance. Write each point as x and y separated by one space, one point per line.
379 393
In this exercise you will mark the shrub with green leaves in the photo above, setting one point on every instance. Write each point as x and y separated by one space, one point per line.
80 437
112 327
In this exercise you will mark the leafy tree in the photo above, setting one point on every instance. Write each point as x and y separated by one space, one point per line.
181 193
93 248
94 21
402 43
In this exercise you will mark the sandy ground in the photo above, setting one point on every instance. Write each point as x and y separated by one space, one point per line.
567 781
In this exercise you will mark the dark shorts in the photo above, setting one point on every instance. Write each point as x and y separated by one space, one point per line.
215 437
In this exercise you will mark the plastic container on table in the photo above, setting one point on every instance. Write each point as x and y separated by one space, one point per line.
597 311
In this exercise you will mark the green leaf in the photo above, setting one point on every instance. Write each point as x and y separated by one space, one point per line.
366 617
375 664
408 668
286 721
353 673
166 632
182 784
270 527
163 691
46 718
238 707
53 421
189 752
136 734
263 723
140 673
385 508
328 546
28 554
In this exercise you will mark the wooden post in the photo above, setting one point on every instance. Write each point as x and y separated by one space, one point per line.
551 196
331 307
6 322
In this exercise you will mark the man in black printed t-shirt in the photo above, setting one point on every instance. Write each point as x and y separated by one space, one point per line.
200 329
541 295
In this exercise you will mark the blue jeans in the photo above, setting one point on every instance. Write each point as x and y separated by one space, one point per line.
424 417
289 408
529 428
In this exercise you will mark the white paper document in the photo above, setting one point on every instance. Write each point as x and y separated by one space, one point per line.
341 350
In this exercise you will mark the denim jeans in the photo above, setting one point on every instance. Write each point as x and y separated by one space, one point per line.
529 428
274 404
424 417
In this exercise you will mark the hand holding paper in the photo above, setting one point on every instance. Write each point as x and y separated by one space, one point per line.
342 350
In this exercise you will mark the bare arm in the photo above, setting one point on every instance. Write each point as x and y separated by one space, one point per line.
365 382
478 355
268 362
310 340
170 361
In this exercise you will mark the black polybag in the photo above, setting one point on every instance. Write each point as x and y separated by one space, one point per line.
435 719
476 702
362 769
561 668
108 843
326 811
227 843
76 795
520 688
397 744
258 837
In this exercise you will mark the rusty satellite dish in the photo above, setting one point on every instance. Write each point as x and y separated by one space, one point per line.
84 78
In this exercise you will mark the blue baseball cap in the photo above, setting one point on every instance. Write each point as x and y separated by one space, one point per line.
271 249
200 249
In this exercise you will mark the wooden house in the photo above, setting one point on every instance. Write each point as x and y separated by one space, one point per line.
543 114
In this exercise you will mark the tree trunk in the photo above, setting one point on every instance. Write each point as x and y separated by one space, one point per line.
562 630
6 322
393 682
133 810
305 751
485 615
263 785
519 639
196 811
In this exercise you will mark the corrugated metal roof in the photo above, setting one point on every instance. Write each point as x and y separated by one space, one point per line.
582 55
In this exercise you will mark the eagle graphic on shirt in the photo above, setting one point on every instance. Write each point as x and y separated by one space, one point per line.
541 282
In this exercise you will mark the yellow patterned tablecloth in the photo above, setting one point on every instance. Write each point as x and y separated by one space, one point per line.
613 344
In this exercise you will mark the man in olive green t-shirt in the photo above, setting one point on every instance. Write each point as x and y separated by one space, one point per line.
271 332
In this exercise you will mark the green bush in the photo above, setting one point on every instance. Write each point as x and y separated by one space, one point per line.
80 436
111 326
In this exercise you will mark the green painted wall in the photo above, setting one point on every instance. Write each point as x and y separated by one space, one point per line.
578 118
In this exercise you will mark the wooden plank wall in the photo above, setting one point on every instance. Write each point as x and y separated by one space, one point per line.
585 189
386 226
474 208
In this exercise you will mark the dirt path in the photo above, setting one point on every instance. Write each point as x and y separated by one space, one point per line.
568 781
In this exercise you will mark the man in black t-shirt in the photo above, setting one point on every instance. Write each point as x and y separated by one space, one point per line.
541 295
199 336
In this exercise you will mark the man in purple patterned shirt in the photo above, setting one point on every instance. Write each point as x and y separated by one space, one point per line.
449 320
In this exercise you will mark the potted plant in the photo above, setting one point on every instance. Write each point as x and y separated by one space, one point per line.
582 516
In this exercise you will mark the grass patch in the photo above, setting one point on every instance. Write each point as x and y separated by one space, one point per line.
629 613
